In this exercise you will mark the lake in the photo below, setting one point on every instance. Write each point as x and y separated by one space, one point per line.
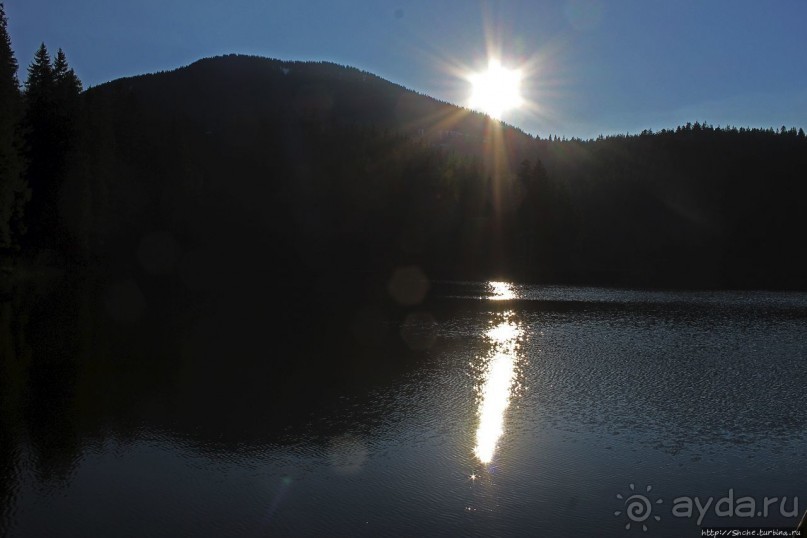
489 409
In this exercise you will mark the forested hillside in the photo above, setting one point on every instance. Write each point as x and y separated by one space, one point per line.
700 206
242 170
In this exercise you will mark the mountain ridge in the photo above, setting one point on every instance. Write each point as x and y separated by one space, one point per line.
316 88
299 169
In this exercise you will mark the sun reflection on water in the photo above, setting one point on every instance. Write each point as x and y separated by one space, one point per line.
501 291
498 381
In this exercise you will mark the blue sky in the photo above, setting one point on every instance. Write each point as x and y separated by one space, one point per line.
593 66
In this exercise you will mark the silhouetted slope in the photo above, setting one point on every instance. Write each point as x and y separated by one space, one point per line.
252 173
239 171
700 206
237 90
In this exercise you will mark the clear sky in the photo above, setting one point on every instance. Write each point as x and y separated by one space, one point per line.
591 66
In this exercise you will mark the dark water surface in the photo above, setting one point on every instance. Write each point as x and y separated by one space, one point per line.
493 409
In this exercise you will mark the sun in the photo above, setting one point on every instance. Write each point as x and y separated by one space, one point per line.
496 90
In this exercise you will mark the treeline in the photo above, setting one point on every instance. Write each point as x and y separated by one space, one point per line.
697 206
38 134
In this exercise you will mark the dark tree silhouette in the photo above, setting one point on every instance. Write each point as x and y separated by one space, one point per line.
39 84
52 106
13 189
40 140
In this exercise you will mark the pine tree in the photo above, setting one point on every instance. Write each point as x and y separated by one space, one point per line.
66 91
13 190
41 138
59 65
74 199
51 124
8 63
39 85
67 85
